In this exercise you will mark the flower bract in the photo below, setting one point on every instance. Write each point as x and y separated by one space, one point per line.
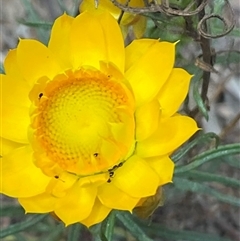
88 125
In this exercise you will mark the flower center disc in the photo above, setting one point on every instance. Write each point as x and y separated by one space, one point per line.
78 120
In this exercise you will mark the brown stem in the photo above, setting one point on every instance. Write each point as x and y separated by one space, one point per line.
207 57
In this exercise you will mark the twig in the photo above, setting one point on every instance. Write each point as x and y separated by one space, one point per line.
207 58
228 24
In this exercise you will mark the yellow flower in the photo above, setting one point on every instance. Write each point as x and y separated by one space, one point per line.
136 21
88 126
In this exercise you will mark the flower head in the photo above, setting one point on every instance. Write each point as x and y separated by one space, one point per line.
126 20
88 126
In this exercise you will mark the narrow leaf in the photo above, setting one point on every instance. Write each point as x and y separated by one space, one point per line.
135 229
210 177
56 233
11 211
197 97
187 185
20 237
1 69
15 228
74 231
173 235
107 227
37 24
219 152
201 139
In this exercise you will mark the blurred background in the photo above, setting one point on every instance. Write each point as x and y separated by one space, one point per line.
183 210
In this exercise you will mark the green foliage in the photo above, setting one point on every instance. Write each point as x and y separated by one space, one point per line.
135 229
197 96
74 232
1 69
207 156
172 235
39 25
198 140
143 230
35 20
202 150
107 227
15 228
201 176
188 185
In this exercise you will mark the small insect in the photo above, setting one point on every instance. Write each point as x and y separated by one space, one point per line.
40 96
112 171
111 174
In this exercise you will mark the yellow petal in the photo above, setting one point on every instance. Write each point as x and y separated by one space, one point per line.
171 133
149 73
14 109
114 198
77 204
106 5
136 50
14 90
59 186
36 60
59 42
42 203
97 215
13 128
164 167
101 40
11 66
123 132
136 178
147 119
174 91
6 146
19 176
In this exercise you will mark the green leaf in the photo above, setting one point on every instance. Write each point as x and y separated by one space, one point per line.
11 211
20 237
33 16
168 28
201 139
1 69
173 235
226 57
15 228
197 96
96 233
187 185
232 161
72 12
62 6
37 24
75 9
210 177
136 230
56 233
74 231
219 152
107 227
